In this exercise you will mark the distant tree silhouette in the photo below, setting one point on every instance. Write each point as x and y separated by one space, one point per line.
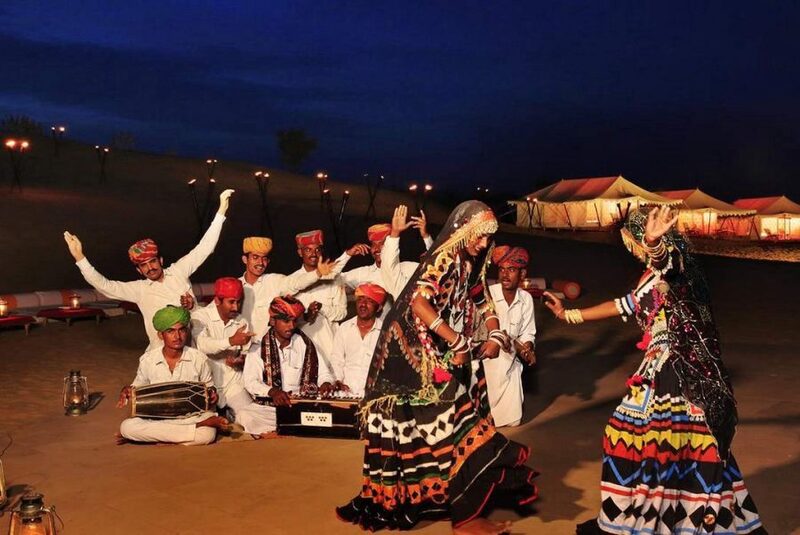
295 147
20 125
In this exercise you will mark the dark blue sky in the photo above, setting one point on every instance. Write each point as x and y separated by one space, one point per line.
514 94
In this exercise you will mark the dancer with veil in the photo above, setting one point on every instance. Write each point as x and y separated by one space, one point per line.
667 465
432 450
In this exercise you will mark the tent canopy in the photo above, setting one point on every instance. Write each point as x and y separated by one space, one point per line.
769 205
695 199
588 189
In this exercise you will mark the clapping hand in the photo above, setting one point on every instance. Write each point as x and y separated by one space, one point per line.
554 304
421 224
312 311
359 249
659 221
400 221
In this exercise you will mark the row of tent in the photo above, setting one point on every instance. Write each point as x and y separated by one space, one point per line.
600 203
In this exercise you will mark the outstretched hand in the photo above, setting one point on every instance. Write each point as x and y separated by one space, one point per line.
325 267
224 201
400 221
554 304
659 221
74 245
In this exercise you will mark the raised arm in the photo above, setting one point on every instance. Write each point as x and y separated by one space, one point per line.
195 258
124 291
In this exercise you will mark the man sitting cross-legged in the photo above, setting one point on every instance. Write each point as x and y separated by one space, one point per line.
173 361
285 364
224 336
355 340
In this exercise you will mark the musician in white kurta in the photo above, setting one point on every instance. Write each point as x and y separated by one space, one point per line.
325 300
225 337
172 361
261 288
161 286
514 308
355 340
293 354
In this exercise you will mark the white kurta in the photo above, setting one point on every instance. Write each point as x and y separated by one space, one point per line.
329 291
153 368
291 359
504 374
212 336
152 296
352 354
259 295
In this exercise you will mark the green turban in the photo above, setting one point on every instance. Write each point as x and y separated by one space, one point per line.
169 316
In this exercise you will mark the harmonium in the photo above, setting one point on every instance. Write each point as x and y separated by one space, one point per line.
334 416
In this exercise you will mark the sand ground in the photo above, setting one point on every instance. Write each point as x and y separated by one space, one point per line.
292 485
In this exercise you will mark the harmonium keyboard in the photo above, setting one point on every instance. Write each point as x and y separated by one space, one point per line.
335 416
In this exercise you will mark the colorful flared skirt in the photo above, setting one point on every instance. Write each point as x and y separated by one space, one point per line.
438 460
662 473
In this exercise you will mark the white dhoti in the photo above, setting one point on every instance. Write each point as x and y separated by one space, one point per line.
179 431
504 385
255 418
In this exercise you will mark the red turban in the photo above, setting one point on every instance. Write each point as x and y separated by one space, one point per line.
228 288
378 232
505 256
373 291
312 237
286 308
142 251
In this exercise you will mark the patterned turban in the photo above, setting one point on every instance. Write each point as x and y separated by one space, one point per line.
257 244
312 237
379 231
505 256
168 316
373 291
228 287
286 308
142 251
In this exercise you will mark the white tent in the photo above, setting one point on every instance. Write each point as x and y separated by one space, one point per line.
700 214
777 218
584 203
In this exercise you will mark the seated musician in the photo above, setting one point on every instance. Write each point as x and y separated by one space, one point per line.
286 363
355 339
224 336
173 361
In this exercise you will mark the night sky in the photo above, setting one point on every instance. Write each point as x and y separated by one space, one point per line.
508 95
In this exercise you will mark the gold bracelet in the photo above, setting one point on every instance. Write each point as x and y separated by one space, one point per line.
573 316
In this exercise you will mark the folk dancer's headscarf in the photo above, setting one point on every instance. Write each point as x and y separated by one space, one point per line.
693 339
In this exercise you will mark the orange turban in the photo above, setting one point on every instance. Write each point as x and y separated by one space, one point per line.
257 244
228 287
142 251
286 308
373 291
312 237
378 232
505 256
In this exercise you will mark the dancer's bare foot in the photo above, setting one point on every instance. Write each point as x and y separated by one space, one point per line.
482 526
120 440
218 422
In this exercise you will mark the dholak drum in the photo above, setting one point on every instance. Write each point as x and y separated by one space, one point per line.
176 399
